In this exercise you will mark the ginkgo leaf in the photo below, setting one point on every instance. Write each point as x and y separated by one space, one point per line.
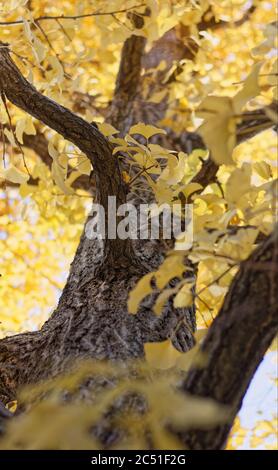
59 177
239 183
57 69
270 34
158 96
39 49
274 344
219 128
146 130
24 125
184 297
140 291
14 175
26 189
175 170
162 299
172 266
53 152
191 188
84 165
10 5
19 129
161 355
263 169
27 30
107 129
10 137
250 89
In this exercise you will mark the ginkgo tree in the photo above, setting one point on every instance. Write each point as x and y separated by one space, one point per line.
159 101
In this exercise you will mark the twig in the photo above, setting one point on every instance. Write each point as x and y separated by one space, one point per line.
72 17
14 135
140 173
4 144
63 29
215 280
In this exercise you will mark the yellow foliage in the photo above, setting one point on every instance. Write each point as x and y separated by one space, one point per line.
75 61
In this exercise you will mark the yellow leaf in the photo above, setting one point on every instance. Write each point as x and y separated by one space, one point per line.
19 129
84 165
158 96
175 169
53 152
219 128
191 188
57 69
270 34
14 175
141 290
250 89
238 183
39 49
24 125
146 130
184 297
263 169
161 300
59 177
106 129
161 355
10 137
27 30
172 266
26 189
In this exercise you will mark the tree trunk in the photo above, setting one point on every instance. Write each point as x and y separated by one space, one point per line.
91 319
237 340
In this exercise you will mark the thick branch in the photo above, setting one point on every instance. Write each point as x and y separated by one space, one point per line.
253 123
237 340
128 79
73 128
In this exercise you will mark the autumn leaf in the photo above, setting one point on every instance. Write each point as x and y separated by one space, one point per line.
219 127
161 355
250 89
146 130
14 175
141 290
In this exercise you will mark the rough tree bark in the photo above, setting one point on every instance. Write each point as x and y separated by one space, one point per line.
91 319
238 339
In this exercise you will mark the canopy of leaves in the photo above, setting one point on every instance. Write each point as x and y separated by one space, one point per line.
71 51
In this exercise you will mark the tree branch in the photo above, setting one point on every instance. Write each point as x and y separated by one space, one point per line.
39 144
73 17
253 123
237 340
128 79
75 129
209 21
